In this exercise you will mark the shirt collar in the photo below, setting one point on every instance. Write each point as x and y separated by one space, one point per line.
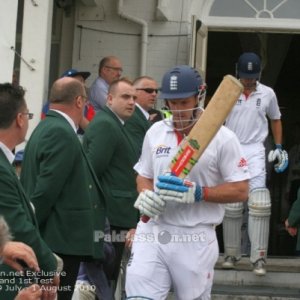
7 152
122 121
145 113
71 122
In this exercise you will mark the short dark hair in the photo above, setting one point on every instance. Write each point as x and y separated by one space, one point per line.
65 92
115 83
11 102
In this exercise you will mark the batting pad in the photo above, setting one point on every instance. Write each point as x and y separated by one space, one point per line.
259 204
232 224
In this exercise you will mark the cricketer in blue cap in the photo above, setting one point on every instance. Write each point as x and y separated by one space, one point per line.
249 66
256 109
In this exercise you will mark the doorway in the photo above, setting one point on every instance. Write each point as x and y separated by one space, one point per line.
281 65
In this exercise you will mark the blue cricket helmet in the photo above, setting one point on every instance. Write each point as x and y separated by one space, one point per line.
249 66
180 82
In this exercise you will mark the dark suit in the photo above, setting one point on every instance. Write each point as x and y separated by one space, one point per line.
137 126
113 156
61 183
18 213
294 218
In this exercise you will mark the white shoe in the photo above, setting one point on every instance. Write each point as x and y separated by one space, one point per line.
259 268
229 263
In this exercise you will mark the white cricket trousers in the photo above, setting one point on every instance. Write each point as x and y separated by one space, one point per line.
166 256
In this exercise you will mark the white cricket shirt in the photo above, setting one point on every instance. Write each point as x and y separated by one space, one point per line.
221 162
248 118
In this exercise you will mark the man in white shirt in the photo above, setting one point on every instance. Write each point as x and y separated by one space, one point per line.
178 247
249 121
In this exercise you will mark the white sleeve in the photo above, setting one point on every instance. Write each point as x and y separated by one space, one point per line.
273 111
144 166
233 164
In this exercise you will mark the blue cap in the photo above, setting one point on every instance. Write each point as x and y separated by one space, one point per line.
19 156
248 66
180 82
74 72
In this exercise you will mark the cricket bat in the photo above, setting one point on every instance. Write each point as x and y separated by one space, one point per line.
210 121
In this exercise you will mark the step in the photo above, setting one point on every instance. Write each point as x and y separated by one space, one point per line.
282 281
225 292
281 272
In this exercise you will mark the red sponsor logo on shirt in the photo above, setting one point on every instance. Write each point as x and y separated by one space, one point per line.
242 163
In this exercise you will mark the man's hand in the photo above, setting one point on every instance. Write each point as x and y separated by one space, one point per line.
50 290
281 156
149 204
14 251
291 230
129 238
33 292
172 188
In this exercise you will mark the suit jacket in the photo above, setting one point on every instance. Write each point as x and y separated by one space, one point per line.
62 185
294 217
17 211
137 126
113 156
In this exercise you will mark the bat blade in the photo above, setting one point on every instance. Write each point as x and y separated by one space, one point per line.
210 121
212 118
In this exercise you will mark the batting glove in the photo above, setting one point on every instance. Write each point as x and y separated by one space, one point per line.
172 188
281 156
149 204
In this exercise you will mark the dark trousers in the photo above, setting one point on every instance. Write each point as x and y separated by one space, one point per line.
119 249
68 276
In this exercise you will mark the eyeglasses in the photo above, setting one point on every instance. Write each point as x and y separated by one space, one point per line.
30 115
115 68
148 90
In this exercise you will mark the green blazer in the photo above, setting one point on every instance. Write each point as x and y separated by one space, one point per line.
18 213
113 156
294 217
137 127
64 189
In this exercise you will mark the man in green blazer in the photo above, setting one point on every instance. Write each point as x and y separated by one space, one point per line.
113 156
15 206
292 223
138 124
62 185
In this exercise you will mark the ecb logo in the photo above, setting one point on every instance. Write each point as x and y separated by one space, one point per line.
258 102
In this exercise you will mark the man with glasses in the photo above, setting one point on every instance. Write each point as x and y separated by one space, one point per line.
140 122
110 69
15 206
62 185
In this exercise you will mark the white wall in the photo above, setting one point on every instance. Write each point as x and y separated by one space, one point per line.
8 24
105 33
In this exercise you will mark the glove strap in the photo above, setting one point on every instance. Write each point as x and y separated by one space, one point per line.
278 146
198 193
201 193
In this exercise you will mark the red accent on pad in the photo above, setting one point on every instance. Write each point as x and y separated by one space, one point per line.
182 160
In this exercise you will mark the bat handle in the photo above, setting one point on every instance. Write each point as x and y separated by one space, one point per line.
145 218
